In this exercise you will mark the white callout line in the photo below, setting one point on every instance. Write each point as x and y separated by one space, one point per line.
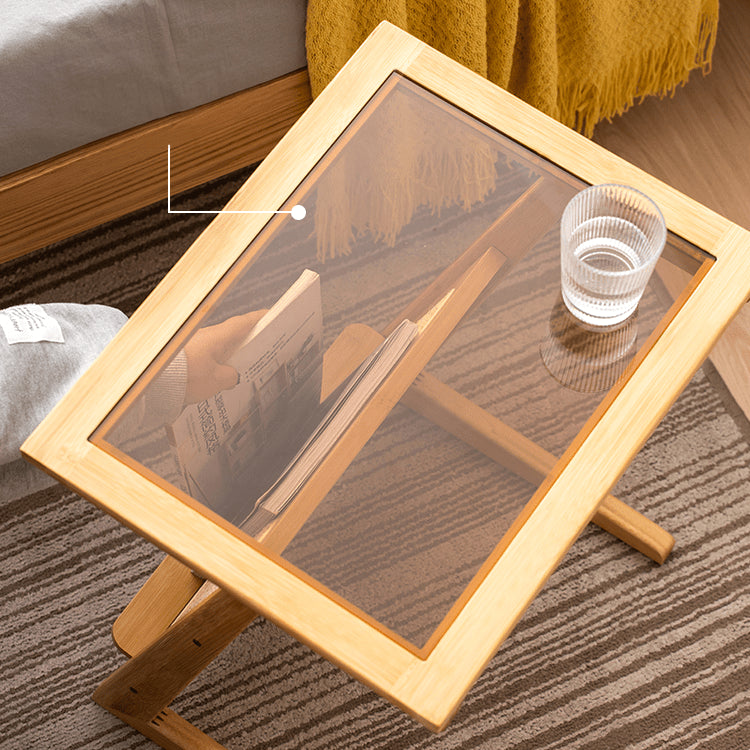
297 212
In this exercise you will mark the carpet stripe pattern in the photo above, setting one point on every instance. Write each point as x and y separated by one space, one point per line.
616 652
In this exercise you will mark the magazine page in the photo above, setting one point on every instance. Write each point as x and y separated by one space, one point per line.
231 447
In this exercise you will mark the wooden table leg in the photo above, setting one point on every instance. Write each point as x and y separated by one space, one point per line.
142 687
472 424
464 419
156 606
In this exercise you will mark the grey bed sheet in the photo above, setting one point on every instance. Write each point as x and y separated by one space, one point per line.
73 71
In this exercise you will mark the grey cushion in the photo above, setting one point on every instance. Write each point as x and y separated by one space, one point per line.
34 376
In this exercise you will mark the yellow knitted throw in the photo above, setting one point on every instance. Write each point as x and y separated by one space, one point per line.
579 61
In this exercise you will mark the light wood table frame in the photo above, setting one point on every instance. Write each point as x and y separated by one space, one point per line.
171 636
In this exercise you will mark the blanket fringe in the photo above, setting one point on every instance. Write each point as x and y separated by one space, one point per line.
656 72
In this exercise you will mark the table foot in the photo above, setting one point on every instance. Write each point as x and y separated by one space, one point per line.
633 528
168 730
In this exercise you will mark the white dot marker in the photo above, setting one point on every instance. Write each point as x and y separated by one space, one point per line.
298 212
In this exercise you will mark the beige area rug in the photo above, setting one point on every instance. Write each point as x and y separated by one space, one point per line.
616 652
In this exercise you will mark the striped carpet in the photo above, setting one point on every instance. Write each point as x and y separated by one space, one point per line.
616 652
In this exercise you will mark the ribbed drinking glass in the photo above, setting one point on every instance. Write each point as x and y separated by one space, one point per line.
610 239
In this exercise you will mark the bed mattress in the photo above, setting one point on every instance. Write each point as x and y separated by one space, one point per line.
74 71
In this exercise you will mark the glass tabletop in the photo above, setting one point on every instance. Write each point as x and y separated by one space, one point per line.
413 188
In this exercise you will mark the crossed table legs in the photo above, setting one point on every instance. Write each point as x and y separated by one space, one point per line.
171 641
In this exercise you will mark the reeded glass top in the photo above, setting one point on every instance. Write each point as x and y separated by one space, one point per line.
412 186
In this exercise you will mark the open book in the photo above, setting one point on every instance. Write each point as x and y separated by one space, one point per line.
246 452
346 405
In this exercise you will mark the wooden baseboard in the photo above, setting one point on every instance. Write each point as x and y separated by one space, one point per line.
101 181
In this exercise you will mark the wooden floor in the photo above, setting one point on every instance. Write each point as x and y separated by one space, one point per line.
699 142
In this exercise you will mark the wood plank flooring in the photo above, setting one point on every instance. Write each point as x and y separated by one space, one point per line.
699 142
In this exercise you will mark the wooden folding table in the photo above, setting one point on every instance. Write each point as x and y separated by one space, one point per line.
412 551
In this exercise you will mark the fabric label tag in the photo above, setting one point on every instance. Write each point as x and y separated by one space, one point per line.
29 323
